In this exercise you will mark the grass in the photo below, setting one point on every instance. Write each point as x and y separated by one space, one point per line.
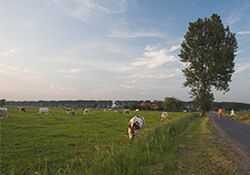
31 141
96 144
204 153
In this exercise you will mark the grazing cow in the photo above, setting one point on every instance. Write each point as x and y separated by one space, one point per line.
164 116
21 109
70 111
85 112
136 124
127 111
4 113
44 110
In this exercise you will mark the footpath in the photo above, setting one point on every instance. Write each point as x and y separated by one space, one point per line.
236 136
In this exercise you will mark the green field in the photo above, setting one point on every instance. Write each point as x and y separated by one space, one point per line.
97 143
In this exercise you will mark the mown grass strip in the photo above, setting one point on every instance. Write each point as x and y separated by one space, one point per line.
204 154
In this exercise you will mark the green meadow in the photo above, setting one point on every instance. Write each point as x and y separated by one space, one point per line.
97 143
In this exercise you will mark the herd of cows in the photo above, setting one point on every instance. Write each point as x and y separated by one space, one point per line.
136 124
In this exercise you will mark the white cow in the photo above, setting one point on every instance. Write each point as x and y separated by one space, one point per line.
85 112
136 125
44 110
4 113
164 116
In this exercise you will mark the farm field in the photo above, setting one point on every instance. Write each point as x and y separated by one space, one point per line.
28 138
97 144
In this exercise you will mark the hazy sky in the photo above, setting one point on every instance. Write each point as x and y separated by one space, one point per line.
109 49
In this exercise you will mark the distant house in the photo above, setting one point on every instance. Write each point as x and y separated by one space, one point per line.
143 104
154 106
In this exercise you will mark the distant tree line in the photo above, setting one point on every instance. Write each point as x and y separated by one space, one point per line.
65 103
170 104
2 102
230 105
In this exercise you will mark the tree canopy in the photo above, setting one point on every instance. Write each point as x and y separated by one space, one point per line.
208 52
2 102
171 104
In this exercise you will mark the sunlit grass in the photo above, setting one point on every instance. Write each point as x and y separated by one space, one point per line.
28 139
204 153
97 144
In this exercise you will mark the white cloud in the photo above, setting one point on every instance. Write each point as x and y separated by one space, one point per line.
13 69
88 10
243 32
153 57
129 34
153 75
127 86
240 67
122 29
173 48
10 51
73 70
22 83
236 16
52 85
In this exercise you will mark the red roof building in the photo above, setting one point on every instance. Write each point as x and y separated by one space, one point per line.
154 106
142 104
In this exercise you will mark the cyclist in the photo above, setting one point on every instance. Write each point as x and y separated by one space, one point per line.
220 113
232 114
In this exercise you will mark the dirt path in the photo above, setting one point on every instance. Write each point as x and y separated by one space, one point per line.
236 136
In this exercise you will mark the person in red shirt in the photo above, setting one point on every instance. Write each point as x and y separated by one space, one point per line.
220 113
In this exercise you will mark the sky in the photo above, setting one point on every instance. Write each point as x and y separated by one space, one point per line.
110 49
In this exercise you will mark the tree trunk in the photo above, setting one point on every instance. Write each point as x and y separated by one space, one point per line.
202 113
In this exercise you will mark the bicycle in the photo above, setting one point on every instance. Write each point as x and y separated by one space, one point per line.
220 115
232 117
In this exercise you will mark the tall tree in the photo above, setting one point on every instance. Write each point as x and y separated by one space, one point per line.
208 52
